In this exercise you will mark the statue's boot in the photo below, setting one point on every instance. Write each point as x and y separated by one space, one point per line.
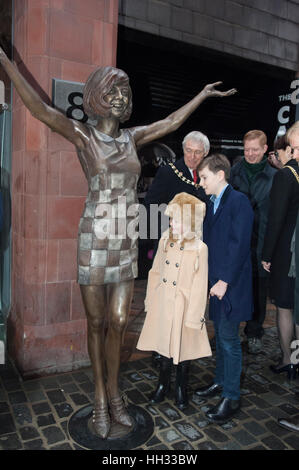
101 420
119 413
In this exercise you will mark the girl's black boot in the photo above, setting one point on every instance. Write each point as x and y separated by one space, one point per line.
181 396
163 386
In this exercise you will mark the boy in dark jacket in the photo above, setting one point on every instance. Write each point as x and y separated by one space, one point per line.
227 233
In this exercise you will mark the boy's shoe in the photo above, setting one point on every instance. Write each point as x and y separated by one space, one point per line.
255 345
223 411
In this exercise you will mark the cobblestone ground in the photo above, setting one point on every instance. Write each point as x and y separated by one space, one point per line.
34 414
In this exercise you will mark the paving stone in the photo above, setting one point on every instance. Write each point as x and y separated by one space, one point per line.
28 432
152 442
259 447
243 437
273 398
274 428
45 420
189 411
64 446
206 445
12 385
231 445
160 423
32 385
64 379
169 412
4 408
56 396
17 397
293 441
22 414
36 395
49 382
143 386
188 431
80 377
216 435
136 397
182 445
200 423
273 443
40 408
53 434
197 400
170 435
160 447
10 442
79 399
259 402
254 428
287 408
7 424
87 387
63 410
277 389
134 377
36 444
70 387
259 379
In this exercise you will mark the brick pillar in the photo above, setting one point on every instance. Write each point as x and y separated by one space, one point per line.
64 39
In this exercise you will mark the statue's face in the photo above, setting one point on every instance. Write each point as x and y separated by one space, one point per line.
118 98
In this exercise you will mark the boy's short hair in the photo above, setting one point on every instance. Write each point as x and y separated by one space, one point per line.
215 163
256 134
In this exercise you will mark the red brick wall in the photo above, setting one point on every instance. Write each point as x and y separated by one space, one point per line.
64 39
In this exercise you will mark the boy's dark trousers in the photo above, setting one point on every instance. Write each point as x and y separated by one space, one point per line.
228 357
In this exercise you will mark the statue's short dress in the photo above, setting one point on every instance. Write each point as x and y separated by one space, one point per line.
107 240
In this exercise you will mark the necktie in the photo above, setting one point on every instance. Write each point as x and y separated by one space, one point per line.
194 176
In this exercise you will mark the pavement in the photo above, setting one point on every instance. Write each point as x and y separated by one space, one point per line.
34 414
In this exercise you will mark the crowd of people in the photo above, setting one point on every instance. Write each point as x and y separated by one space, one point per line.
232 243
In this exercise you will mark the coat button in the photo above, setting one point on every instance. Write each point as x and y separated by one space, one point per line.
181 248
174 283
171 244
176 265
164 280
167 262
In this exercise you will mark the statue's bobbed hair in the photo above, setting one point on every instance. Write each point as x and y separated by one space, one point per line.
98 84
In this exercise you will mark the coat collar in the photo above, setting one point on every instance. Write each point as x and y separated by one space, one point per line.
214 217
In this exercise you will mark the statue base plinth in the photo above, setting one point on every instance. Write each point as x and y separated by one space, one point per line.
80 428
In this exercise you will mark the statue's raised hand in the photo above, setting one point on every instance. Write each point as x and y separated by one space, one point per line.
210 90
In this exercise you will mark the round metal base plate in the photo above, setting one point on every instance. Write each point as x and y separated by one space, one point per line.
120 437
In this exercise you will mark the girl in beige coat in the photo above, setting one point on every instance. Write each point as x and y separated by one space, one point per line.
176 297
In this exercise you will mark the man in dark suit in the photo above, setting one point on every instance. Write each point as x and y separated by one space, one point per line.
171 179
227 233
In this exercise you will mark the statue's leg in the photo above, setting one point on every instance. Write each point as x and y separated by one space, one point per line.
95 303
119 308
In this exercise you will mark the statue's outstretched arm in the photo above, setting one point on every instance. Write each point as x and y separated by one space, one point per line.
148 133
57 121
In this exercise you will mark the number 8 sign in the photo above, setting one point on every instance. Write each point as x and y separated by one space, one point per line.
68 98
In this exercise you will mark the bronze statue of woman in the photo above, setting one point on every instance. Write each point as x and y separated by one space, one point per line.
107 265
